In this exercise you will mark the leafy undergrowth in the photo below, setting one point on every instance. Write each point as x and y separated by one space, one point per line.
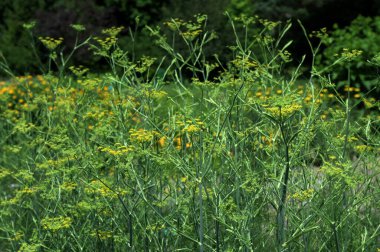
141 158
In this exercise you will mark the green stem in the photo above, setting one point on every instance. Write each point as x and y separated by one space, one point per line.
283 191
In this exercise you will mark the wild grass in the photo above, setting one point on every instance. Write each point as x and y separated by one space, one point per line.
185 153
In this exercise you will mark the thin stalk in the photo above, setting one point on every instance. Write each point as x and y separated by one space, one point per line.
347 132
283 192
217 226
200 201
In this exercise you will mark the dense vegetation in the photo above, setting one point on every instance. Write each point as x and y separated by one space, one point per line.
184 152
54 17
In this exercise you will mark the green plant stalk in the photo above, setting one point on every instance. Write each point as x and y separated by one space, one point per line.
201 232
200 199
33 45
5 66
217 225
347 132
283 191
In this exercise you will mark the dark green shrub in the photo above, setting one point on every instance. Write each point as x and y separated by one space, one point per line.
53 19
363 34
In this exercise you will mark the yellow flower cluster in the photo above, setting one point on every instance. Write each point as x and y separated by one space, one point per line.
155 227
244 62
285 55
161 141
18 235
155 94
90 83
349 55
56 223
142 135
177 142
27 191
338 171
283 111
102 235
50 43
144 63
270 25
322 33
113 31
350 139
109 41
26 247
199 83
68 186
370 103
118 150
192 29
4 172
174 24
97 187
52 164
246 20
191 126
363 148
79 71
303 195
78 27
191 34
106 43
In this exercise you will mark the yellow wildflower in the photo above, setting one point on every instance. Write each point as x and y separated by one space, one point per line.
56 223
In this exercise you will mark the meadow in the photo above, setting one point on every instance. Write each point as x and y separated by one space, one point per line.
185 153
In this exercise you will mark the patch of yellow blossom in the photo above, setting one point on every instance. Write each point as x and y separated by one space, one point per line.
191 126
142 135
161 141
102 235
4 173
177 141
50 43
283 111
19 196
322 33
98 188
155 227
191 30
244 62
370 103
17 236
338 171
68 186
117 150
362 148
191 34
347 54
111 39
270 25
90 83
199 83
79 70
113 31
174 23
155 94
350 139
26 247
303 195
144 63
56 223
246 20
